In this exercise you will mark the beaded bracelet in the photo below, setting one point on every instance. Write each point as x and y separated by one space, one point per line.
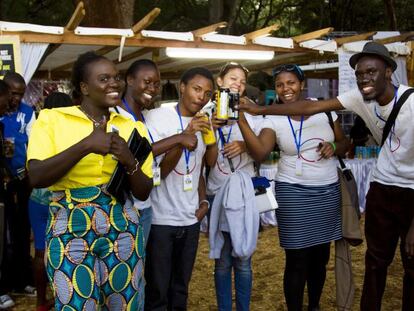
333 145
135 168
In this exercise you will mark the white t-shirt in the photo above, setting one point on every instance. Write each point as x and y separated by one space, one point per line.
137 203
395 165
244 161
170 203
353 101
316 171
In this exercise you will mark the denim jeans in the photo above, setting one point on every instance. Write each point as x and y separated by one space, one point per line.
242 278
171 253
146 219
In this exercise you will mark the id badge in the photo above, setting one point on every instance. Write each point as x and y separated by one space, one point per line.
188 182
156 178
298 167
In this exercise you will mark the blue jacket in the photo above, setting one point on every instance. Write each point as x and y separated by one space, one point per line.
17 125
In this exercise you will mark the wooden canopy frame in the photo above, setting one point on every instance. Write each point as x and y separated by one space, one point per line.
106 44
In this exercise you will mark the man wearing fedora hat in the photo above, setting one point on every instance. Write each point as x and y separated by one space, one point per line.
390 200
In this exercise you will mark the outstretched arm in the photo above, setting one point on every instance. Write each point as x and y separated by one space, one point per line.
298 108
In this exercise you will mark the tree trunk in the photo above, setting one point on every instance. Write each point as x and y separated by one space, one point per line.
109 13
215 11
232 8
390 6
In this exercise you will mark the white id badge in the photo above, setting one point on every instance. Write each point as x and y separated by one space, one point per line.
188 182
298 168
156 178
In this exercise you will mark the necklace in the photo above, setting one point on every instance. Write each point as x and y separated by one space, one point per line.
95 123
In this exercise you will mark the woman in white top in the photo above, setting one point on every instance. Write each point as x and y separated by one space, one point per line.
232 156
307 189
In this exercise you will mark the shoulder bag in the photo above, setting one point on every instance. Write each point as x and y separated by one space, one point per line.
351 230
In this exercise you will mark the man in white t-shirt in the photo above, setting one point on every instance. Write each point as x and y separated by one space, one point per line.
390 200
179 202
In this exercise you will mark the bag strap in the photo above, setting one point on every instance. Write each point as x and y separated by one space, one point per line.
393 115
331 123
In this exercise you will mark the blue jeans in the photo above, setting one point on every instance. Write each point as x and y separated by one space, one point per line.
145 220
242 278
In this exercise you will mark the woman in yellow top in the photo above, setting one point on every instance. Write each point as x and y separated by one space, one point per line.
94 246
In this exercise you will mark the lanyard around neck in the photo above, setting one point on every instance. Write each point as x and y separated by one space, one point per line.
136 119
129 109
297 139
382 119
186 151
225 141
143 121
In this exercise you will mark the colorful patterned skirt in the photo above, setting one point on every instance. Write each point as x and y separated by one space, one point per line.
94 252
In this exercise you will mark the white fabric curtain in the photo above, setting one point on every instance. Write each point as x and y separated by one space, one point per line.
400 74
31 54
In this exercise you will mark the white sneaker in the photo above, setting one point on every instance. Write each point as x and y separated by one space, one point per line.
6 302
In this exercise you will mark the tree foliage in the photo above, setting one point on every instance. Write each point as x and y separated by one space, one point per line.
44 12
243 16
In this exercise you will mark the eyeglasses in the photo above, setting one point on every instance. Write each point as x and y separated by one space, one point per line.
231 65
289 68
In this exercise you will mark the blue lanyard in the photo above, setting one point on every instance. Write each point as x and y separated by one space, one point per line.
143 121
297 139
382 119
186 151
129 109
223 141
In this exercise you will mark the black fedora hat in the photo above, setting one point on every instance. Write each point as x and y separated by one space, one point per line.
374 49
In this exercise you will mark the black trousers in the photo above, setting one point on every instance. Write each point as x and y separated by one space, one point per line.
389 213
171 253
305 266
16 271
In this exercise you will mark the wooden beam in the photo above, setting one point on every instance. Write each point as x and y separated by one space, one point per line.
102 51
146 20
360 37
322 74
187 64
408 36
312 35
133 55
76 18
294 58
261 32
71 38
211 28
